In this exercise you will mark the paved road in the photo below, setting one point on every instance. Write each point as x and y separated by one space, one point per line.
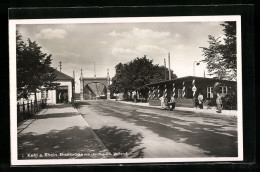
134 132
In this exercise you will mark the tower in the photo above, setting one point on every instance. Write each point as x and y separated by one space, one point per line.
108 83
81 85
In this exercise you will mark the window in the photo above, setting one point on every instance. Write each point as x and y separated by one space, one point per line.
209 92
223 89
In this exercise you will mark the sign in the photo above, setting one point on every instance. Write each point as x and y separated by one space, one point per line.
194 89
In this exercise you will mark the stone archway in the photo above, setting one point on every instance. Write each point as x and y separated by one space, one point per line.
94 90
88 92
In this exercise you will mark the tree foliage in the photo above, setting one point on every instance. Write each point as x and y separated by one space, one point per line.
134 76
33 67
221 58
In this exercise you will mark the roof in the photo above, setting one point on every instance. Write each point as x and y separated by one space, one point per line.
62 76
188 78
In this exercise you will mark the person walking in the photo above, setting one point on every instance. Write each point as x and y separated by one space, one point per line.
219 103
162 102
200 99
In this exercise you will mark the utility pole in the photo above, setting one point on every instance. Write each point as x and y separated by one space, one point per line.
94 69
165 70
169 66
60 66
73 88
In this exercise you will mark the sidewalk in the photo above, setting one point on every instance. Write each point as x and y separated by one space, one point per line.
206 111
59 132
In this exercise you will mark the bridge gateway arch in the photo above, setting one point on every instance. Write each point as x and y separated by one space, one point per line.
94 87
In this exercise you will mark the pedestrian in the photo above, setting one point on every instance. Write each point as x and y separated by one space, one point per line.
219 103
200 99
162 102
59 101
64 97
172 103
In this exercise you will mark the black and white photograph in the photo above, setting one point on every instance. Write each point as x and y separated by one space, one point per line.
126 90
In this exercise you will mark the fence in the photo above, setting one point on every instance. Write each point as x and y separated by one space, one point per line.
29 108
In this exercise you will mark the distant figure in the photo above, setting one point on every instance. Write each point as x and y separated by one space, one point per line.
172 103
219 103
162 102
227 104
200 99
65 97
60 97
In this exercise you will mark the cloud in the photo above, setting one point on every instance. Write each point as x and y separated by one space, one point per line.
177 35
151 49
140 33
51 34
67 54
103 42
124 52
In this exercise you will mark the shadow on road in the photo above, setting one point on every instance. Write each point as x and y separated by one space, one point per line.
72 140
121 141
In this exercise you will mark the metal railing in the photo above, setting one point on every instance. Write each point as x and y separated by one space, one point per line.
28 108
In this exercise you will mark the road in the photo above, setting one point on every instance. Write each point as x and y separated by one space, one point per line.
143 132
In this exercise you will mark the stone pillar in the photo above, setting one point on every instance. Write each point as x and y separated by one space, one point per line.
81 86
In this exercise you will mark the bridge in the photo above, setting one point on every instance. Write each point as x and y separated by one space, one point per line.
94 87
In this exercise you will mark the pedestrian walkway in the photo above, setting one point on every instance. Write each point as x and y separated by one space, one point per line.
59 132
211 111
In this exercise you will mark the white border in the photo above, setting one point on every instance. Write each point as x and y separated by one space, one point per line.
13 107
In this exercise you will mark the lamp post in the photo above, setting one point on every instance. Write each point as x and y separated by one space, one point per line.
197 63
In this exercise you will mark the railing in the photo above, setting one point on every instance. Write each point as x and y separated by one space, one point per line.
29 108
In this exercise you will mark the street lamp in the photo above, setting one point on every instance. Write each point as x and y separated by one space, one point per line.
197 63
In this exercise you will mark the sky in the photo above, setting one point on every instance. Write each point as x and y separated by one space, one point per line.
79 46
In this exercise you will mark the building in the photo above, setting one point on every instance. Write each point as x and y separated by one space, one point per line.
186 89
64 91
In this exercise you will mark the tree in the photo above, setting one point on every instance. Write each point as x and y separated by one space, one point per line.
159 74
134 76
33 68
221 58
